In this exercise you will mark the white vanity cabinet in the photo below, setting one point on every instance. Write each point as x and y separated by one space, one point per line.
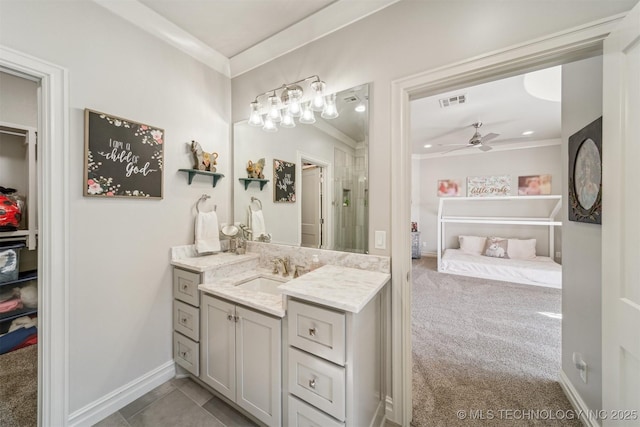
241 357
334 373
186 319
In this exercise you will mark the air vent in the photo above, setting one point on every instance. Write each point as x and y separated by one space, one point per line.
453 100
351 98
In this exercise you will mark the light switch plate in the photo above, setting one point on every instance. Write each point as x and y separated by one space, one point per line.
381 240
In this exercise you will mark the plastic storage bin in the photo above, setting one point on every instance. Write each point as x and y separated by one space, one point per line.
9 261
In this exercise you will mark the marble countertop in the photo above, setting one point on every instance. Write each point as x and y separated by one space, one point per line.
262 301
210 262
339 287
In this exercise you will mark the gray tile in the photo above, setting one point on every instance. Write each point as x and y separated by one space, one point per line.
174 409
193 390
114 420
226 414
142 402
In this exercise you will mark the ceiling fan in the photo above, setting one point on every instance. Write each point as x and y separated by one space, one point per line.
477 140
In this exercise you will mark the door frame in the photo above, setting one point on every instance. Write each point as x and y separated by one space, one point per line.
554 49
53 231
327 194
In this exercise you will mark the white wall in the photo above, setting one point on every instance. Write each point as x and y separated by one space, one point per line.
18 100
530 161
581 272
120 281
403 39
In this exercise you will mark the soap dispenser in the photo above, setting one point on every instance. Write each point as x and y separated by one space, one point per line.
315 262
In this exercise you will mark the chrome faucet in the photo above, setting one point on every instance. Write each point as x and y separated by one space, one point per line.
278 262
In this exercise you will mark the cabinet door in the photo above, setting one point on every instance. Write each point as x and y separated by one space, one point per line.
217 345
258 350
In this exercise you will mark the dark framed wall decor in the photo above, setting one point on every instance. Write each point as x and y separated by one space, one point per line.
123 158
585 174
284 178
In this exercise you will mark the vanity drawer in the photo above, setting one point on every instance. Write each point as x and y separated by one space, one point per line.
186 353
317 330
318 382
186 320
185 286
304 415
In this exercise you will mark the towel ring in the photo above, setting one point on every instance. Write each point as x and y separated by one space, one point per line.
204 198
255 199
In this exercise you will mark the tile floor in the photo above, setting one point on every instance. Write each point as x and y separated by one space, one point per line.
178 402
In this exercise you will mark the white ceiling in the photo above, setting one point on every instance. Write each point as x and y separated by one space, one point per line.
232 26
504 107
235 36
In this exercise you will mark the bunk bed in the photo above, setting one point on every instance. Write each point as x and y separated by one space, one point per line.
533 269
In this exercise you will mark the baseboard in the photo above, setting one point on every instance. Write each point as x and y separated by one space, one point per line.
119 398
429 254
576 401
379 418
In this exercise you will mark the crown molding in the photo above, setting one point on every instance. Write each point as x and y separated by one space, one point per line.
332 18
159 26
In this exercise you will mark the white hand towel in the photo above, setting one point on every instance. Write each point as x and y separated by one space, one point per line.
207 234
257 224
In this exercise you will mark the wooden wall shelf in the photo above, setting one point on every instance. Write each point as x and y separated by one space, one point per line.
247 181
193 172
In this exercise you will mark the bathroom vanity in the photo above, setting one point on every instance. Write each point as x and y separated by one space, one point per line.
293 352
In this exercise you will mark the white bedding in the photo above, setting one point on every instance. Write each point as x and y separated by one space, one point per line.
541 271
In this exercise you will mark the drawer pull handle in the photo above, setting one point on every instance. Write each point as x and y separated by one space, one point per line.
185 287
312 383
183 320
229 317
312 332
183 354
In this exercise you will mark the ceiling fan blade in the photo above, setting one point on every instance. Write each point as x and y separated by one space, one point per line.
485 147
456 149
490 136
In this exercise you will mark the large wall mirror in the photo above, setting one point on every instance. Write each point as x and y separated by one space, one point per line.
317 189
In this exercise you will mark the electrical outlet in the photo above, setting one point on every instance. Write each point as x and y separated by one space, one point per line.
580 365
380 240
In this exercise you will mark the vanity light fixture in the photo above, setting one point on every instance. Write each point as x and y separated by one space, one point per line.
287 102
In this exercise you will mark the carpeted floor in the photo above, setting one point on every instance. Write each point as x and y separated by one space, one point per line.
19 388
485 352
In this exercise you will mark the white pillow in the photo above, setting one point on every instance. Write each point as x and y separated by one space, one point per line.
522 249
472 244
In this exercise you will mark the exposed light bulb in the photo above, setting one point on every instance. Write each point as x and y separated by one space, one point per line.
361 108
307 117
255 118
287 120
269 125
330 110
318 98
274 109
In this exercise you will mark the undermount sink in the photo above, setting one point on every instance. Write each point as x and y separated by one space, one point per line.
262 284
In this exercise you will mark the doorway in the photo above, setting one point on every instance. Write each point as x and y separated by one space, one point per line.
312 224
573 44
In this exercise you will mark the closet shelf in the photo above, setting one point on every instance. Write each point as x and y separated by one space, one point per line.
17 313
193 172
23 277
247 181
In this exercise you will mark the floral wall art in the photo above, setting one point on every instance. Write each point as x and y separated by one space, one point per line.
284 178
122 158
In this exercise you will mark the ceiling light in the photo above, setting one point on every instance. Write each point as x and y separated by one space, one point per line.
287 102
527 133
428 146
361 108
545 84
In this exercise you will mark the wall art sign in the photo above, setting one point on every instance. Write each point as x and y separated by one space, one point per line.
284 177
585 174
123 158
449 187
534 185
488 186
